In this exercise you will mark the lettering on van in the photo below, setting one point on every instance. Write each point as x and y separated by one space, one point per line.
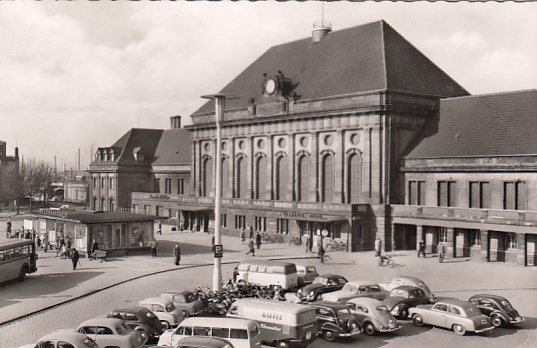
271 315
270 327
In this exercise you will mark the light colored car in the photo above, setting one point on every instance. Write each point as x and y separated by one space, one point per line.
112 332
165 311
412 281
203 342
64 338
185 301
457 315
306 274
372 315
357 288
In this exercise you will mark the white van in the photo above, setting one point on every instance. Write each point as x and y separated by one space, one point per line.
240 333
282 324
268 273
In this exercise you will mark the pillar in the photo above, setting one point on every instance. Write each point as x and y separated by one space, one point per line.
450 241
419 235
484 245
521 249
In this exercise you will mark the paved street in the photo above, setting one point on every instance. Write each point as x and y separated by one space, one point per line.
56 282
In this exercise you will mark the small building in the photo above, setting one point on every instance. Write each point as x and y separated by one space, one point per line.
118 232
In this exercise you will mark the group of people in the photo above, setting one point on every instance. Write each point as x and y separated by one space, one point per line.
441 250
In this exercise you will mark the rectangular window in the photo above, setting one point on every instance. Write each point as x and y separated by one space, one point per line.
514 195
168 186
240 222
135 208
223 220
447 193
103 182
111 183
416 192
260 223
157 185
282 226
475 238
94 182
510 241
479 195
180 186
159 210
147 209
442 236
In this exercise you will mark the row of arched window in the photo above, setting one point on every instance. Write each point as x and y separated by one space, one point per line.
304 193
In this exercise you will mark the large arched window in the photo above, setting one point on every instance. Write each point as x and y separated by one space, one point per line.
327 178
354 177
225 177
207 177
261 176
242 178
303 178
281 178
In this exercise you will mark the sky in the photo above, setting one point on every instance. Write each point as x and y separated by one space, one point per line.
78 75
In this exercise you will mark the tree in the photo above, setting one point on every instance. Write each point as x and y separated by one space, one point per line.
37 176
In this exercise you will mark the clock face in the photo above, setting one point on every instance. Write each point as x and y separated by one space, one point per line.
270 86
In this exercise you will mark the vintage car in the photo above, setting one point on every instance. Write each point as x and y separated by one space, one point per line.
321 285
335 320
112 332
140 319
372 315
185 301
305 274
404 297
457 315
357 288
203 342
406 280
165 311
498 308
67 337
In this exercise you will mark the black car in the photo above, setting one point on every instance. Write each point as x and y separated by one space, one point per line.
335 320
321 285
498 308
404 297
141 319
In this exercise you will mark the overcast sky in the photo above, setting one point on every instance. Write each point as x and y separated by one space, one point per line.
80 74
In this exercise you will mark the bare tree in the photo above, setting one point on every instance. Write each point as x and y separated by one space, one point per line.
37 176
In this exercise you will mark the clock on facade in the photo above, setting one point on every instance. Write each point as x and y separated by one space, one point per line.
270 86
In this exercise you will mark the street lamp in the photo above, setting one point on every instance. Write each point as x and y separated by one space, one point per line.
219 106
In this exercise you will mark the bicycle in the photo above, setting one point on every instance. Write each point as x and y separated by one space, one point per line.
335 245
294 240
386 261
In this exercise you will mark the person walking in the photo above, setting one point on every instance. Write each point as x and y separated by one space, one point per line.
320 252
441 253
153 246
243 237
257 240
251 247
378 247
421 248
177 254
251 232
307 242
75 258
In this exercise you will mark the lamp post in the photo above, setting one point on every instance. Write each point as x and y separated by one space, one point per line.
219 106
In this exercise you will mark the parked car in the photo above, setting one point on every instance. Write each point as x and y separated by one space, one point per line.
321 285
165 311
372 315
305 274
140 319
185 301
457 315
335 320
357 288
404 297
406 280
498 308
203 342
112 332
68 338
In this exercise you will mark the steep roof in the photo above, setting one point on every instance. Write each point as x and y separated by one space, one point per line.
365 58
174 147
482 125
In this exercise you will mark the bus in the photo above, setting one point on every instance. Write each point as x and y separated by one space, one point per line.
268 273
17 259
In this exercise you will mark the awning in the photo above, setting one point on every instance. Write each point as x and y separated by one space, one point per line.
313 217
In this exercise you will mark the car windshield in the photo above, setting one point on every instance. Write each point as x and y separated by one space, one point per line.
349 288
320 280
170 307
312 269
399 292
121 329
382 309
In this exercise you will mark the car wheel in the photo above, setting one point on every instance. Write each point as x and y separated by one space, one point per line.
459 329
165 325
282 345
496 321
329 335
22 273
185 314
369 329
418 320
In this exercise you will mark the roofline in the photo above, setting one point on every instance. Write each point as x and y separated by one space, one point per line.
491 94
471 156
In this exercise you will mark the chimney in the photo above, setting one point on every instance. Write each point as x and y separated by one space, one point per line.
16 152
320 30
175 122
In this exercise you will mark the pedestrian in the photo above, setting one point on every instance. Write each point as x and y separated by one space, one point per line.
257 240
441 252
177 254
68 242
94 247
153 248
38 241
320 252
251 232
75 258
160 228
45 242
378 247
251 247
181 225
421 248
307 242
243 237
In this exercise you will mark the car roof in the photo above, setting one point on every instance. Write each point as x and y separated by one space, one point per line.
178 292
332 305
406 287
367 301
454 302
490 297
64 334
414 279
135 309
155 300
216 322
203 341
330 276
361 282
101 321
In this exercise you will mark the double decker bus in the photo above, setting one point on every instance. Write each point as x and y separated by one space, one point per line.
17 259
